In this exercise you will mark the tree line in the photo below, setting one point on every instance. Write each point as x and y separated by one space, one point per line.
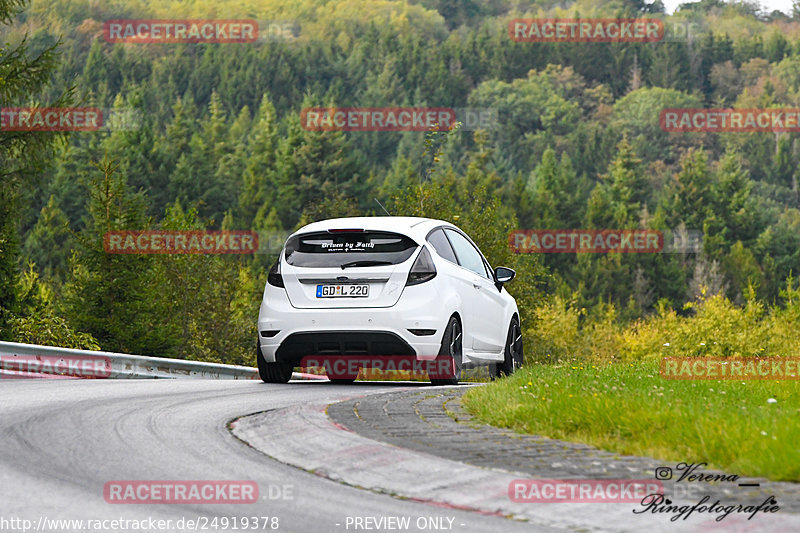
577 144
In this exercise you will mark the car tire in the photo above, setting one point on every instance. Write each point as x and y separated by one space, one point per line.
342 381
513 356
273 372
342 378
452 350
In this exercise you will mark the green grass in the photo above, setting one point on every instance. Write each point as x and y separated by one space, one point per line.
629 408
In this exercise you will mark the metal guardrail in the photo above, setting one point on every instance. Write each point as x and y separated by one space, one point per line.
27 360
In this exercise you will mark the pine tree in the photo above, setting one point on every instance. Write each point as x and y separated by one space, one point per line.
22 154
556 192
734 211
200 178
49 242
112 296
616 201
690 196
310 164
259 181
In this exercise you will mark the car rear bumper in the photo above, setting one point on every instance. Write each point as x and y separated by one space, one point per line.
341 343
285 333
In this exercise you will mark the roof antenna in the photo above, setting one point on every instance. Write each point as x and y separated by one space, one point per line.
380 204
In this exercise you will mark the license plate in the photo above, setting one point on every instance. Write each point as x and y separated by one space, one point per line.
342 291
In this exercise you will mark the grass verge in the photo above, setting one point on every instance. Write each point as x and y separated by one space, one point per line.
629 408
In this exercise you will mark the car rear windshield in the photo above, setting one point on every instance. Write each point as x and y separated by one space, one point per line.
373 248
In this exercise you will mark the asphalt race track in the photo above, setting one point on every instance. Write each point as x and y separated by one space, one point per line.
62 441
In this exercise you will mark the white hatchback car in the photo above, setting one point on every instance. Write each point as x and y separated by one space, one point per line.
386 286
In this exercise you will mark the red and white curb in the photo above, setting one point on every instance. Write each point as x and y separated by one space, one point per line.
304 437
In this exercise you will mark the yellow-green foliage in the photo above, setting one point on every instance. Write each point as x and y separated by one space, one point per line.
556 333
559 333
39 324
326 19
715 328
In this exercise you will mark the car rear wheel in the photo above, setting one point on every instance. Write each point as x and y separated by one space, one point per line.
273 372
513 357
450 354
341 377
342 381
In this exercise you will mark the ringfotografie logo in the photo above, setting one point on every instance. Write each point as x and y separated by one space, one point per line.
656 503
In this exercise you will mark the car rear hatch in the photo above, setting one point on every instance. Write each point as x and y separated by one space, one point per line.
347 268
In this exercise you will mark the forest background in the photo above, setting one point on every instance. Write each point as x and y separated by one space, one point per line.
217 144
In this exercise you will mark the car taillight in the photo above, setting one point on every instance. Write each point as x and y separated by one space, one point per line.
422 270
274 278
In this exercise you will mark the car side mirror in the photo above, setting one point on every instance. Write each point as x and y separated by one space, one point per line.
503 275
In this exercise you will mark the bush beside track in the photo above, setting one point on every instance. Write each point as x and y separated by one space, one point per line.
599 383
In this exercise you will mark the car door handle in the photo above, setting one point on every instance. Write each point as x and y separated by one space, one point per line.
476 284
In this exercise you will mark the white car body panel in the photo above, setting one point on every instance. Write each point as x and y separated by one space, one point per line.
392 307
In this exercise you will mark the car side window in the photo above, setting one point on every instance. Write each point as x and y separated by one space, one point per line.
468 256
442 245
